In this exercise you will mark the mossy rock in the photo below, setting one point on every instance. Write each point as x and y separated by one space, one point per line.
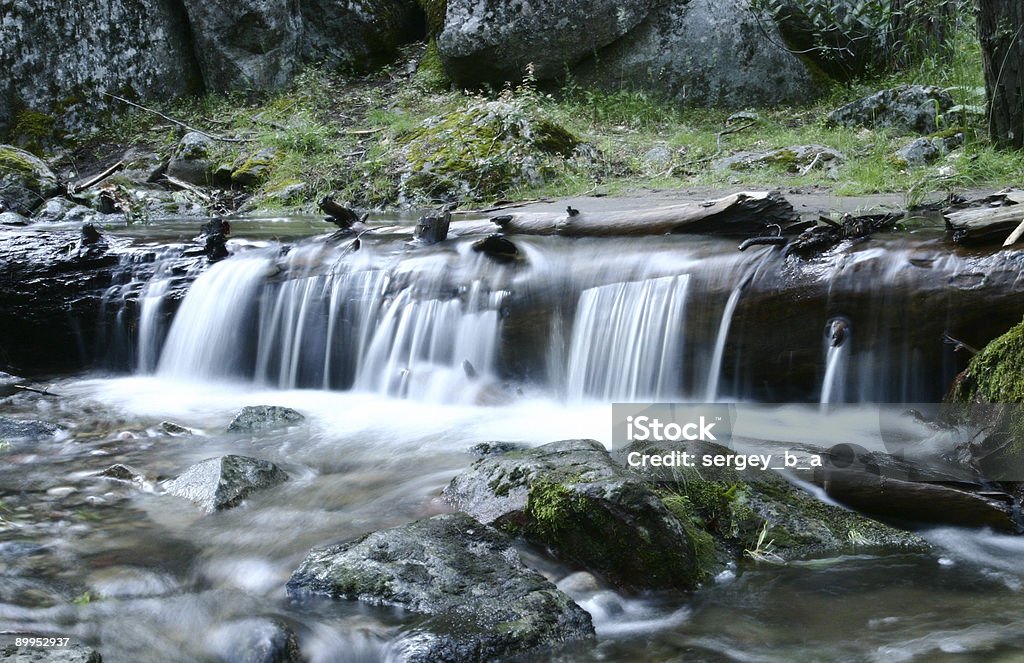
573 499
988 395
435 11
484 151
25 180
430 74
254 169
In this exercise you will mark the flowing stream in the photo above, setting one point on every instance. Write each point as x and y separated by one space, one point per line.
402 359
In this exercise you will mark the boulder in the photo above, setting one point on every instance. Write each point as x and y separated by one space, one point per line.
571 497
478 601
191 160
357 34
26 429
912 108
922 151
254 640
252 418
13 219
246 45
706 53
25 181
489 41
59 59
796 158
253 169
69 654
54 209
222 483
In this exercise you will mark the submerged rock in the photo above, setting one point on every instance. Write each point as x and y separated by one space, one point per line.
479 601
25 181
253 418
122 472
254 640
571 497
222 483
69 654
910 108
26 429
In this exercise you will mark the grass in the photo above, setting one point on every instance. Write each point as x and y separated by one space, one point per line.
350 137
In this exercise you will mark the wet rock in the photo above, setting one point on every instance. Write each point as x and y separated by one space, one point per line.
795 158
54 209
498 248
172 428
254 640
215 239
253 418
923 151
69 654
478 600
357 35
493 41
571 497
247 45
125 582
8 384
121 472
915 108
191 160
26 429
25 181
13 219
222 483
703 52
497 448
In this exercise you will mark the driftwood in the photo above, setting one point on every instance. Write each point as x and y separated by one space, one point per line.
340 215
986 225
741 214
93 181
819 239
433 228
223 139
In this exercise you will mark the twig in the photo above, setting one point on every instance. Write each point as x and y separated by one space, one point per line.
363 132
223 139
88 184
734 130
185 186
958 345
44 392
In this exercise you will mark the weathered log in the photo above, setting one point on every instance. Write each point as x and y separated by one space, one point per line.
339 214
741 214
433 228
985 225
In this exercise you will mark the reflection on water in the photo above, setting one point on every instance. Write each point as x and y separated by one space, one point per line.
145 578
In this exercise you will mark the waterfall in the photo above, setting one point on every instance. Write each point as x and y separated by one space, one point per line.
627 340
151 302
837 341
208 337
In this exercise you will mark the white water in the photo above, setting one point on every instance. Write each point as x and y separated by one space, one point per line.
836 360
627 341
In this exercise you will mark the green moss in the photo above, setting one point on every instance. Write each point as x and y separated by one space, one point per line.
996 374
33 129
430 73
435 11
14 161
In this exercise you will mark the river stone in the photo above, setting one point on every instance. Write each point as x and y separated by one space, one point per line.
246 45
191 161
26 429
252 418
493 41
357 34
704 52
59 57
796 158
915 108
13 219
69 654
25 180
479 601
222 483
571 497
922 151
54 209
254 640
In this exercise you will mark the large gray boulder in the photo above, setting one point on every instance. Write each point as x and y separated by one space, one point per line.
222 483
917 108
480 602
25 180
704 52
571 497
493 41
246 44
356 34
59 57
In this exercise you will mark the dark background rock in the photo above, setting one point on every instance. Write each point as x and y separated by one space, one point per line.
482 603
58 59
357 34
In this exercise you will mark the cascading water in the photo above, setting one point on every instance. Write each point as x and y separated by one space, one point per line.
837 342
627 340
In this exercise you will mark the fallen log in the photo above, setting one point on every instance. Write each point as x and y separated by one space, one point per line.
985 225
740 215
